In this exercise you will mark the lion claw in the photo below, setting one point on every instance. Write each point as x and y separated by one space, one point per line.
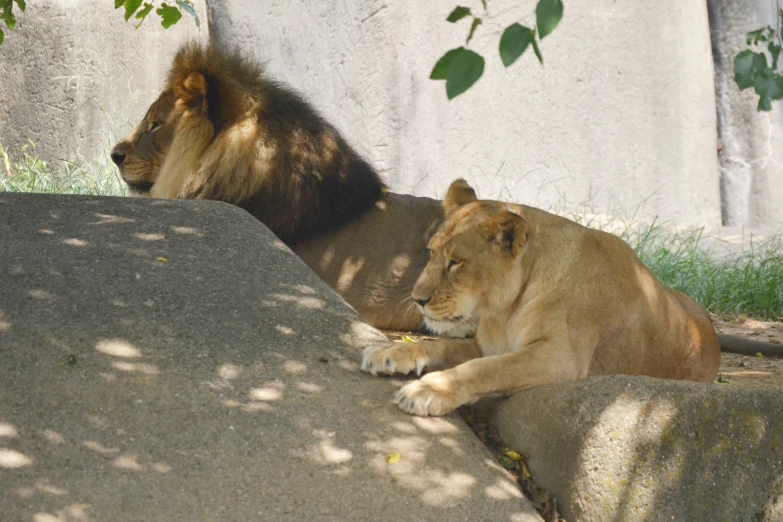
402 358
426 397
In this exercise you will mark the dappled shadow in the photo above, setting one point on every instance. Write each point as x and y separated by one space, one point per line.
180 364
373 262
635 448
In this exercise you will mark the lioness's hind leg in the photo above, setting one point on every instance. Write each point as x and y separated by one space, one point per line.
404 358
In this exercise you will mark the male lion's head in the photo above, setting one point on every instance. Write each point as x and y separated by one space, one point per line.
473 268
223 130
140 154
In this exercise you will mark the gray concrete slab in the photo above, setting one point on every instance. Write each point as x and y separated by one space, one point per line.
171 360
637 449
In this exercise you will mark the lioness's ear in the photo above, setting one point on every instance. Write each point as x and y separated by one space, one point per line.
460 193
507 230
193 91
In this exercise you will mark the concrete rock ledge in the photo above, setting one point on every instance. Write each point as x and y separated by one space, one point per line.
639 449
172 360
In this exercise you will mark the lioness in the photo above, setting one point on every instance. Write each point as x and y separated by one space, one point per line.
554 301
222 130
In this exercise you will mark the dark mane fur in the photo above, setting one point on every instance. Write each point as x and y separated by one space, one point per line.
313 180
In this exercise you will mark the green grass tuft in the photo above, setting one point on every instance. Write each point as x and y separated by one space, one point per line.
32 174
749 283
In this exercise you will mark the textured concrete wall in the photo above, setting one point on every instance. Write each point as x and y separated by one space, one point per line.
74 74
621 116
621 120
751 158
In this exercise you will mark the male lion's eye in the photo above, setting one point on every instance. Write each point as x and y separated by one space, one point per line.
155 126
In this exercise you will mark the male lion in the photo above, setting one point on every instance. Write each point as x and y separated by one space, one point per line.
222 130
554 301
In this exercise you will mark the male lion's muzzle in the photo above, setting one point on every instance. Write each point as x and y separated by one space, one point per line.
139 187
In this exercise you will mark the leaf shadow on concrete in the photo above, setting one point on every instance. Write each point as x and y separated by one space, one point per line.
621 448
172 360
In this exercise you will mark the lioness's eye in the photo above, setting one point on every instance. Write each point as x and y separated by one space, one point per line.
155 126
452 264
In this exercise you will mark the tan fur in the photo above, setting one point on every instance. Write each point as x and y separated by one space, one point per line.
554 302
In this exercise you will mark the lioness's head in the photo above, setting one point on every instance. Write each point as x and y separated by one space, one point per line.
473 268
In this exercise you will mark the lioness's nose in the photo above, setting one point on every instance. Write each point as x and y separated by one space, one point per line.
422 302
117 158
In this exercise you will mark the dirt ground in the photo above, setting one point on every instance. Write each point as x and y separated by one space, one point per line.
735 370
749 371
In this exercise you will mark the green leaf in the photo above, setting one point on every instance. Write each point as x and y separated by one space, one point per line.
465 69
188 8
131 6
118 3
484 3
476 23
458 13
548 15
768 87
753 37
22 5
142 15
538 52
2 37
746 66
515 41
442 67
9 19
169 15
774 51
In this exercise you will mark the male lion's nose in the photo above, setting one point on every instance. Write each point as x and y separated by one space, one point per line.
422 302
117 158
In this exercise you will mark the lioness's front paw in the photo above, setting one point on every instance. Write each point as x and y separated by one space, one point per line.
432 395
394 358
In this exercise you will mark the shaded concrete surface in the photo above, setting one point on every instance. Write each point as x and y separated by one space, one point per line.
171 360
628 449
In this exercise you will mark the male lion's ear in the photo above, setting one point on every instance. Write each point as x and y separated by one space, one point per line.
507 230
193 91
460 193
